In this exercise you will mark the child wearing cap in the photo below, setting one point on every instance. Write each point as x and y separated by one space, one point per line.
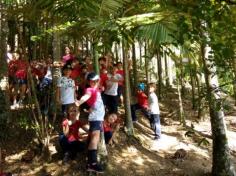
142 102
93 98
65 94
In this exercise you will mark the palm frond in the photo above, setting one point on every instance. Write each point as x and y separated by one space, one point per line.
157 33
111 6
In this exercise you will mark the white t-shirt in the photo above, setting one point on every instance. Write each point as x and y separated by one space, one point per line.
153 103
97 110
111 87
67 90
48 74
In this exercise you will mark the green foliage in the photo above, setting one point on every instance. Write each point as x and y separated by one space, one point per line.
203 142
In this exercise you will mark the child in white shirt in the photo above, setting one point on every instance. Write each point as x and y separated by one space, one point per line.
65 89
111 95
154 111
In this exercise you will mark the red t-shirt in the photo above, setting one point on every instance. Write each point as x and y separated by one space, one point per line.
21 66
93 92
103 79
107 126
12 68
142 99
75 75
73 130
40 72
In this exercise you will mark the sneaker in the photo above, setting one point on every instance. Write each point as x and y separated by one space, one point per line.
15 106
95 168
156 137
66 157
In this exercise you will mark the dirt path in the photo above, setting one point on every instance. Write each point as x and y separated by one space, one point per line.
141 157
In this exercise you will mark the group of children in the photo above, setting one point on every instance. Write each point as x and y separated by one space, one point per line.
70 139
100 95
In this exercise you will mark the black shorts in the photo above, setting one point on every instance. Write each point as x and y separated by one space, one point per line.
120 90
95 125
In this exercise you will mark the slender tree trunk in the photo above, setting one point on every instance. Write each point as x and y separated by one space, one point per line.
200 100
95 57
234 69
87 45
167 79
116 52
128 119
135 73
181 109
222 164
192 70
159 66
140 54
146 62
56 71
182 78
4 88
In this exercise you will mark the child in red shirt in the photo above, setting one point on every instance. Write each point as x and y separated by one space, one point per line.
71 140
142 103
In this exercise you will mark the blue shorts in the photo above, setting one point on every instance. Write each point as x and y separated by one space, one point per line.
95 125
22 81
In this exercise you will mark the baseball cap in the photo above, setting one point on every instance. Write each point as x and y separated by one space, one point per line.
92 77
141 86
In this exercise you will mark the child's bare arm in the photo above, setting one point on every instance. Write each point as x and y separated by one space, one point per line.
66 130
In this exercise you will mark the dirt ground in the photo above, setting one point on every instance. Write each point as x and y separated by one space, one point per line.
140 157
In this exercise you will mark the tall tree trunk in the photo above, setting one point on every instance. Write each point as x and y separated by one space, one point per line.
234 69
167 79
56 71
4 90
116 52
128 119
222 164
146 62
87 45
135 73
140 54
181 109
192 73
95 57
182 77
159 66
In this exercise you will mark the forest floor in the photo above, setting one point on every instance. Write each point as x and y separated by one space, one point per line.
141 157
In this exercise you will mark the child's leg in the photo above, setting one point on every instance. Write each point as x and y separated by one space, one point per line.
134 107
113 104
146 113
76 146
64 143
95 129
155 124
23 87
107 136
